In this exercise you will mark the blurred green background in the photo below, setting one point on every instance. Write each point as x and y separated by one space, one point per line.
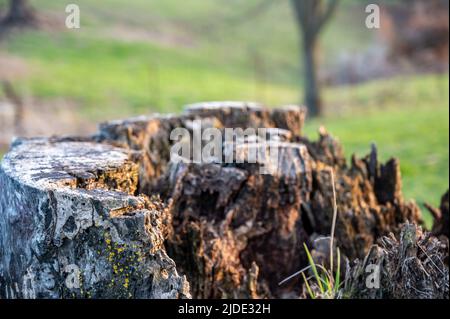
142 56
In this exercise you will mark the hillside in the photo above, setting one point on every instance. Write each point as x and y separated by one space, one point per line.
155 56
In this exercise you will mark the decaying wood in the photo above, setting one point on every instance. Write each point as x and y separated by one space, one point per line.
441 226
410 265
151 135
233 231
227 217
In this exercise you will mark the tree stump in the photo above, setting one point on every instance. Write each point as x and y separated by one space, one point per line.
231 223
408 266
233 231
71 225
441 226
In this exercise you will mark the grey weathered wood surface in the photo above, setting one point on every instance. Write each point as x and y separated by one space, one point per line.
70 225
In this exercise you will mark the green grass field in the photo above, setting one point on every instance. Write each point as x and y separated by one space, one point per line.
157 55
407 119
148 56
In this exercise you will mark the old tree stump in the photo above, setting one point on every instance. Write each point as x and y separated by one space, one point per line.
113 216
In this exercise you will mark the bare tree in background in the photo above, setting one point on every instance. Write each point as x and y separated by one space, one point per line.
19 13
311 16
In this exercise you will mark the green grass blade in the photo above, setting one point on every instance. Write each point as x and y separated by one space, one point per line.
314 269
329 286
311 294
337 281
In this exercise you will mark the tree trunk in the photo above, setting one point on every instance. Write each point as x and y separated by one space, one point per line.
19 13
311 85
311 16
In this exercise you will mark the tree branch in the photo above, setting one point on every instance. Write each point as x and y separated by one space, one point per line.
305 13
326 15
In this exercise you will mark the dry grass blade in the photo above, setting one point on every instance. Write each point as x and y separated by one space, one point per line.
333 224
294 275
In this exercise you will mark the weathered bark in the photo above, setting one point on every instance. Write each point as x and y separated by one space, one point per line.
151 135
441 226
229 218
250 115
70 225
233 231
238 217
411 266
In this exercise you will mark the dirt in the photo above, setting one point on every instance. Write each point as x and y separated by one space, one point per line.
12 67
42 118
138 34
